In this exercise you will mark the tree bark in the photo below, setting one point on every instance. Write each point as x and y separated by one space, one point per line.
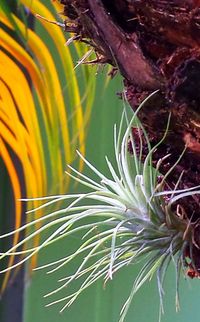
154 44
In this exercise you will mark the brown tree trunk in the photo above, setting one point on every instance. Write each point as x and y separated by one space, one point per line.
155 46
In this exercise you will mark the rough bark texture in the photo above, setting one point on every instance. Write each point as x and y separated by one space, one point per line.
155 46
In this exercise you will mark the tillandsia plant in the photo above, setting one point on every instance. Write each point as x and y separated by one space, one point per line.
130 216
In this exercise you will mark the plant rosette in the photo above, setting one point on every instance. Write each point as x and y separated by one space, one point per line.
135 216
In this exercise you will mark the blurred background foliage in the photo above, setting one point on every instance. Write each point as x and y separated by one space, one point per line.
48 109
44 108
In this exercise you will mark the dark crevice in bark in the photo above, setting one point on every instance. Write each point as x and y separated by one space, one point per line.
122 13
155 46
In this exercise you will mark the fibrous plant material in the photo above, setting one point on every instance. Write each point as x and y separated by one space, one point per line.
129 216
154 45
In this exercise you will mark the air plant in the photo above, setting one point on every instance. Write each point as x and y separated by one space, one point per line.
132 215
